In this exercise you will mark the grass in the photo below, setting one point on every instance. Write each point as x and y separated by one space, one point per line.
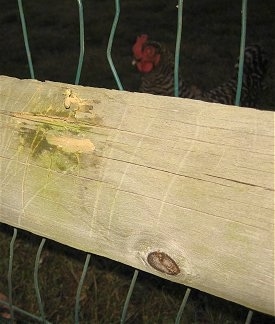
210 45
105 288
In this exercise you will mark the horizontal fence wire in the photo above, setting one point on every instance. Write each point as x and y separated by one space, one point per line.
42 318
22 312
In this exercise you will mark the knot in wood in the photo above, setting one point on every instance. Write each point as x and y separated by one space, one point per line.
163 263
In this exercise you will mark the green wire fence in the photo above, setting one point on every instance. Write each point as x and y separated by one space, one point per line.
77 310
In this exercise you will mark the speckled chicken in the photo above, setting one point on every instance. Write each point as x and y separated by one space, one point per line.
156 64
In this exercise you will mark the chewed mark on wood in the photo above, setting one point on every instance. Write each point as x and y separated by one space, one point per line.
70 144
163 262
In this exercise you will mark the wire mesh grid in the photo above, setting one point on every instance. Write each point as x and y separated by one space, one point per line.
43 317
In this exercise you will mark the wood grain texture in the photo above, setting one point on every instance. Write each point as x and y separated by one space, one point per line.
126 175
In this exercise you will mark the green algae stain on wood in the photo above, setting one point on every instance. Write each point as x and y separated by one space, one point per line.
56 138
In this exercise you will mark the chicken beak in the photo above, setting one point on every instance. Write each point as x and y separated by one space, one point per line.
134 62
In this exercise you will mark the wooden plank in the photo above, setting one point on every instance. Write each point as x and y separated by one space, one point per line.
180 188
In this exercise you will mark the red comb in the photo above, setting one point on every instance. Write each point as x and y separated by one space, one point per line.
137 48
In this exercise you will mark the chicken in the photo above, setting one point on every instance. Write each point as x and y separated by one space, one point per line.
156 64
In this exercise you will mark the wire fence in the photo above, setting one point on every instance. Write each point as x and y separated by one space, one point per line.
43 317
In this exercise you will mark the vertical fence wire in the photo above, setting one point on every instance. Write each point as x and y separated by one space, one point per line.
177 49
77 78
249 317
182 306
37 259
25 35
10 272
120 87
242 48
176 92
110 44
80 285
128 297
81 41
78 73
36 285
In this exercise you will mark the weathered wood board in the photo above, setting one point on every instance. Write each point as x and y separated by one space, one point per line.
149 181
